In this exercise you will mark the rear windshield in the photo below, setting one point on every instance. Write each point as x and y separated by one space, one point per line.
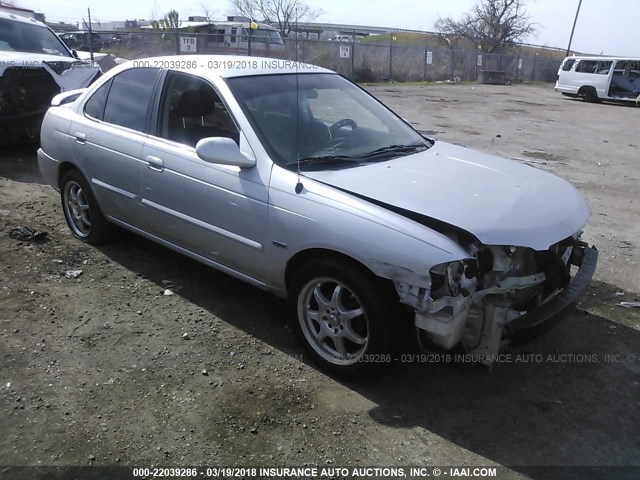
24 37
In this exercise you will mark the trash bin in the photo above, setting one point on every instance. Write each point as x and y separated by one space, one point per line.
491 77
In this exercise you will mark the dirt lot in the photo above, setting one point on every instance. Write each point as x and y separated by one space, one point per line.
97 370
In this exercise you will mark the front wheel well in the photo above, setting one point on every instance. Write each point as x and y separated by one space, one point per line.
582 90
589 93
305 256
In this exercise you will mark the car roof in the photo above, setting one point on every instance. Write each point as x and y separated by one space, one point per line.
230 65
20 18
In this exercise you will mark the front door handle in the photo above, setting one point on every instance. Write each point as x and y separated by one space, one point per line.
80 137
156 164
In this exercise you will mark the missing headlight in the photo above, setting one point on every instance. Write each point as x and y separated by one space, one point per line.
454 278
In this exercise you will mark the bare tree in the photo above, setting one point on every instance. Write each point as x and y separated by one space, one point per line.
493 25
207 11
282 14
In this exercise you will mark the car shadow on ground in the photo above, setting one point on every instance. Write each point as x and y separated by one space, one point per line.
610 103
20 164
570 397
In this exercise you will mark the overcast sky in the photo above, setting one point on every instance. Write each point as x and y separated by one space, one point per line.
607 26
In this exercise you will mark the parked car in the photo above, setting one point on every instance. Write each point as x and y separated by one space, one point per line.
295 180
35 65
80 41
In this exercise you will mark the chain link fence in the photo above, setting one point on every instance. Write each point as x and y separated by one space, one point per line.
361 61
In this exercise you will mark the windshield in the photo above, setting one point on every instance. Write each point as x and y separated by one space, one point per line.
322 119
24 37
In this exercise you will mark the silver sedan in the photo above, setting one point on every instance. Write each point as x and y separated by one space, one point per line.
297 181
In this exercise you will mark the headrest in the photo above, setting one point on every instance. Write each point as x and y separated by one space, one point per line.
195 104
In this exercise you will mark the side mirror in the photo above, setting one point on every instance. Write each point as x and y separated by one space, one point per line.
224 151
67 97
75 54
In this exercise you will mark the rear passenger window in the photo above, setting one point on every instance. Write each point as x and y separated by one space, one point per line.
567 65
190 110
129 98
95 106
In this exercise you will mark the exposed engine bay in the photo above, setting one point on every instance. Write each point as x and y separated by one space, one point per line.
471 302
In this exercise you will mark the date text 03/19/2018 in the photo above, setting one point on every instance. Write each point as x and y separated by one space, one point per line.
223 64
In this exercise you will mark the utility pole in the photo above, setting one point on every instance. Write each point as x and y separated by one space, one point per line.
252 26
575 20
391 58
353 52
90 35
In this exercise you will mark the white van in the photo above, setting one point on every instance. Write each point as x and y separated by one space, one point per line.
600 78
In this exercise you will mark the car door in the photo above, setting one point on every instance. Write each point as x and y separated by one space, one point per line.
109 137
215 211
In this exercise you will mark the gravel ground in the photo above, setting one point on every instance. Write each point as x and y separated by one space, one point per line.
106 369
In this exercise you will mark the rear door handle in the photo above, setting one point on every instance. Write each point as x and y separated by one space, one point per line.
156 164
80 137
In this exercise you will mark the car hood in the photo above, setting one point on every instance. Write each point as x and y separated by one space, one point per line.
19 58
499 201
79 76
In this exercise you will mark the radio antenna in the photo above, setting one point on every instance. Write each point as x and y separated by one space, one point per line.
299 186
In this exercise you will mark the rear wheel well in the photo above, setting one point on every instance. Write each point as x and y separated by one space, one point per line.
63 169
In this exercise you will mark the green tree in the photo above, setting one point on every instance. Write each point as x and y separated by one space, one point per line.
170 21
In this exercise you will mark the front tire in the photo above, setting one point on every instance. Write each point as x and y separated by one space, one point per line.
589 94
341 313
81 210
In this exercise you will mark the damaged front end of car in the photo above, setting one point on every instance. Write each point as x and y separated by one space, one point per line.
25 94
26 91
500 294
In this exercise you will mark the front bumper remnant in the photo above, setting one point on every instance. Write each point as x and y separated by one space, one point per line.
485 320
552 312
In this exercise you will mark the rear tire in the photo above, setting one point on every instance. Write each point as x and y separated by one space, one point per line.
81 210
342 315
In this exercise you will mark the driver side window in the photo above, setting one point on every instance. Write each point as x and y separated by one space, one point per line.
191 110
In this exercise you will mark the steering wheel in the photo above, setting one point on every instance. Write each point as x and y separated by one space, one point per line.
345 122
